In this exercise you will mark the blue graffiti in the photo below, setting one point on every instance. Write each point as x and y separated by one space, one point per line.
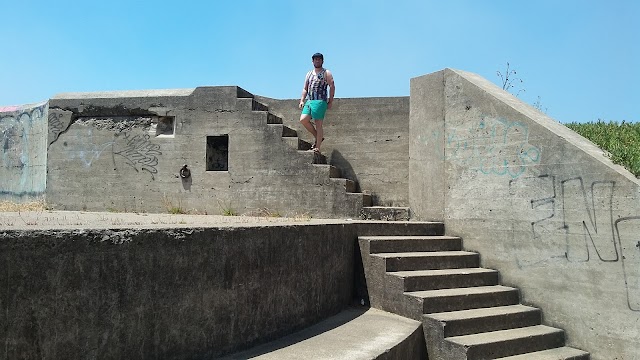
490 146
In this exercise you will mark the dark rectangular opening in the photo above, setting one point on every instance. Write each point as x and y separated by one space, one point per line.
218 153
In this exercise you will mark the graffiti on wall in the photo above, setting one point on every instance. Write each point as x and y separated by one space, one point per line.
58 123
138 151
24 175
573 221
491 146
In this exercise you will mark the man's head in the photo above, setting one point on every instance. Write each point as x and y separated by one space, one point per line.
317 59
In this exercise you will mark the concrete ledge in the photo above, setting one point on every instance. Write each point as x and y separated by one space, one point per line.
354 334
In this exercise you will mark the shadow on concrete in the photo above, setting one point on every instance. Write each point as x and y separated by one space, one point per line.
360 290
341 163
326 325
186 183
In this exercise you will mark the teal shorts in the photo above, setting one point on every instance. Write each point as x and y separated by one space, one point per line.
315 108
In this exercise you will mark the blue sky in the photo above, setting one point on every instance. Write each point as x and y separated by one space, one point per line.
582 58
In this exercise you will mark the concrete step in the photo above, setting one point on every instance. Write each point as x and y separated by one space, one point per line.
380 230
283 131
495 344
388 213
288 132
249 103
561 353
367 200
431 260
273 119
446 278
333 171
349 185
398 244
352 334
436 301
297 143
314 158
359 198
465 322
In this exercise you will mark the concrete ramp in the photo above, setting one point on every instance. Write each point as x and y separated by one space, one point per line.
352 334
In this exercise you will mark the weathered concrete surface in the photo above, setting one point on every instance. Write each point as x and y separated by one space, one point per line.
167 293
51 219
124 285
367 138
23 152
131 146
541 204
354 334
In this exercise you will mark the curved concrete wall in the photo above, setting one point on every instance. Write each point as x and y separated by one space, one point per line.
167 293
23 152
539 202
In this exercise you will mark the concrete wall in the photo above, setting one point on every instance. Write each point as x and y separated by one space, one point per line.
539 202
109 154
167 293
23 152
367 138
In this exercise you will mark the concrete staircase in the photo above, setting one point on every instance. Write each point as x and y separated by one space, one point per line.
364 201
465 312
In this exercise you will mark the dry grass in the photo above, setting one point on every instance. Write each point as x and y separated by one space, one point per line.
8 206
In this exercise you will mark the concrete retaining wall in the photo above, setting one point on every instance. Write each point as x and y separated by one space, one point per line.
167 293
367 139
539 202
23 152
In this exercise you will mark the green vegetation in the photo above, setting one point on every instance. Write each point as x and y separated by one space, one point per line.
229 212
621 141
171 207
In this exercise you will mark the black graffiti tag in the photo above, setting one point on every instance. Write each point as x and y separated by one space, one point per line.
140 152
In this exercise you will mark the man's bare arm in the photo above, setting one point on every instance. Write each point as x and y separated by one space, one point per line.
304 93
332 88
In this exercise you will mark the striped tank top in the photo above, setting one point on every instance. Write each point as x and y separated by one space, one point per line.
317 85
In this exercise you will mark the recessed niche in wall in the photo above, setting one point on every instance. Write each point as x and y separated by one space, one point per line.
163 126
218 153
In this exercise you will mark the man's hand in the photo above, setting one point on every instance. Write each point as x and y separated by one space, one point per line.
329 103
301 104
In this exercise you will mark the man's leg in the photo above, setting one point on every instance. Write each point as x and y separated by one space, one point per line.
319 133
305 119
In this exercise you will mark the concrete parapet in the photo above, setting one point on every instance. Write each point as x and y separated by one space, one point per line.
167 293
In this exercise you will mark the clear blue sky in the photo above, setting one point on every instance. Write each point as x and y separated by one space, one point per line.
582 57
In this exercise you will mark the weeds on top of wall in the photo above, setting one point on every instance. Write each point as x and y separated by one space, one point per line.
171 207
8 206
620 140
263 212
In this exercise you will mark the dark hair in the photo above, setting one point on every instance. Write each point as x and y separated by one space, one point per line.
317 55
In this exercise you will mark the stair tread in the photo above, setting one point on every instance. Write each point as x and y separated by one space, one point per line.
503 335
409 237
424 254
387 207
480 312
460 291
440 272
564 352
